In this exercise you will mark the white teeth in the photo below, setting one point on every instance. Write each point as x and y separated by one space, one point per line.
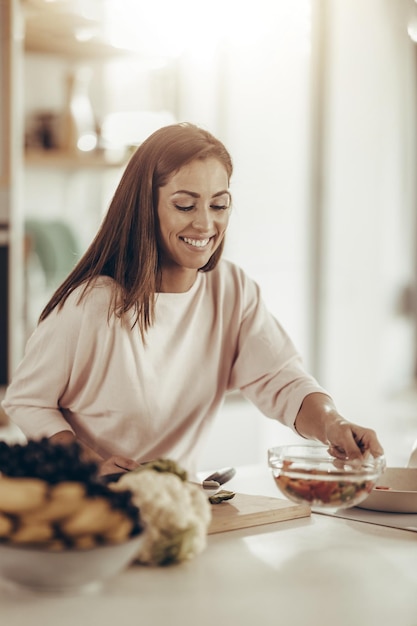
198 243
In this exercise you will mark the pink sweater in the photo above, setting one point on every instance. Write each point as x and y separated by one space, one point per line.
96 377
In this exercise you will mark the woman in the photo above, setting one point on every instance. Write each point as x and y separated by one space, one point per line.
135 351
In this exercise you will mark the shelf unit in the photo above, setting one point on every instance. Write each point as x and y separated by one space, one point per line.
64 184
68 160
61 29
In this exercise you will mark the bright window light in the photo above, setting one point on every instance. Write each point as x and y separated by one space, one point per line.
168 29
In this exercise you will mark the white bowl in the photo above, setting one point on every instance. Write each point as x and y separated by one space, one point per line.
67 571
401 495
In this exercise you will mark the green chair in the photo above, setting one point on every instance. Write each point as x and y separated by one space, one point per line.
56 246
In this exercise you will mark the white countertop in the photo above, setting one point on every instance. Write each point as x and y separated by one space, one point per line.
318 570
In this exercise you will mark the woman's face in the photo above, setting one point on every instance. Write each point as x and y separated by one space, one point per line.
193 212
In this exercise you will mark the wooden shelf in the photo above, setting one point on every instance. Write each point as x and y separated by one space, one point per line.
55 28
60 159
72 49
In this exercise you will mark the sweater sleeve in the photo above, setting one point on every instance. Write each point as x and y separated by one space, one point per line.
267 367
57 348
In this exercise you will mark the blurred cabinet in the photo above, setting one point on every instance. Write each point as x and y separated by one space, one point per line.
11 319
66 189
69 69
4 314
4 195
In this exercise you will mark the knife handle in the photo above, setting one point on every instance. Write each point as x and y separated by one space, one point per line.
222 476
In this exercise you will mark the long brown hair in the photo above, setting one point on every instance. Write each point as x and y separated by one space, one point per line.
126 245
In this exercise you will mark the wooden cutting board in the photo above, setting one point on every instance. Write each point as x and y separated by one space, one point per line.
246 510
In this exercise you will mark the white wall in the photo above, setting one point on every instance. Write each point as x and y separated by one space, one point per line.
369 205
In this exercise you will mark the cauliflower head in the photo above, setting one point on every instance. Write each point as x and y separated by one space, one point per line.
175 515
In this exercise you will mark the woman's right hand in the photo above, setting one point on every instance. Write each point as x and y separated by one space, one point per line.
116 464
113 465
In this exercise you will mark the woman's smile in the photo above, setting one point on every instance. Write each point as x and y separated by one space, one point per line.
196 243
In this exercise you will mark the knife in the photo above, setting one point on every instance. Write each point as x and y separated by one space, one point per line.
221 476
211 483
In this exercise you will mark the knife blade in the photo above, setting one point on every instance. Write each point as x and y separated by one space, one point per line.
221 476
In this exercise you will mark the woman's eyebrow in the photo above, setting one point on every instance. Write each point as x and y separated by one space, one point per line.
194 194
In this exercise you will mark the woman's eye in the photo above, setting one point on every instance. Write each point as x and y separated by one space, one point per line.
184 208
219 207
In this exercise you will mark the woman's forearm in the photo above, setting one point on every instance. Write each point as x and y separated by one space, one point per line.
112 464
315 415
65 437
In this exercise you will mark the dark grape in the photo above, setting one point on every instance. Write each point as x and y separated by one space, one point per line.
44 459
56 463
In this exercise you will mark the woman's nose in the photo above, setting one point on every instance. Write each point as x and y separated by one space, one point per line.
202 219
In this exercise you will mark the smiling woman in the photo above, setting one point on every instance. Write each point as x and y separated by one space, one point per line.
136 350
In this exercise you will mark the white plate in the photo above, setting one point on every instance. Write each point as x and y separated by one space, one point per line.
401 497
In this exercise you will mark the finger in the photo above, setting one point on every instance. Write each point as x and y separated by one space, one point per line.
340 453
368 443
125 463
348 449
337 451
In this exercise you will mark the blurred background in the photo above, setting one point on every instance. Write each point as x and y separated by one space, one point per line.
316 101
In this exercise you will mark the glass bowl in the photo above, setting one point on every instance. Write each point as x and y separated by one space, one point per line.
309 474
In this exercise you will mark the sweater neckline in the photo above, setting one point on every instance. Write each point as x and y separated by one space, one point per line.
181 294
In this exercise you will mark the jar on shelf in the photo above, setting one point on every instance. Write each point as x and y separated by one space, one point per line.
79 123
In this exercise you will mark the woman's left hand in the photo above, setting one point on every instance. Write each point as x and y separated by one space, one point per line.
319 419
350 441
